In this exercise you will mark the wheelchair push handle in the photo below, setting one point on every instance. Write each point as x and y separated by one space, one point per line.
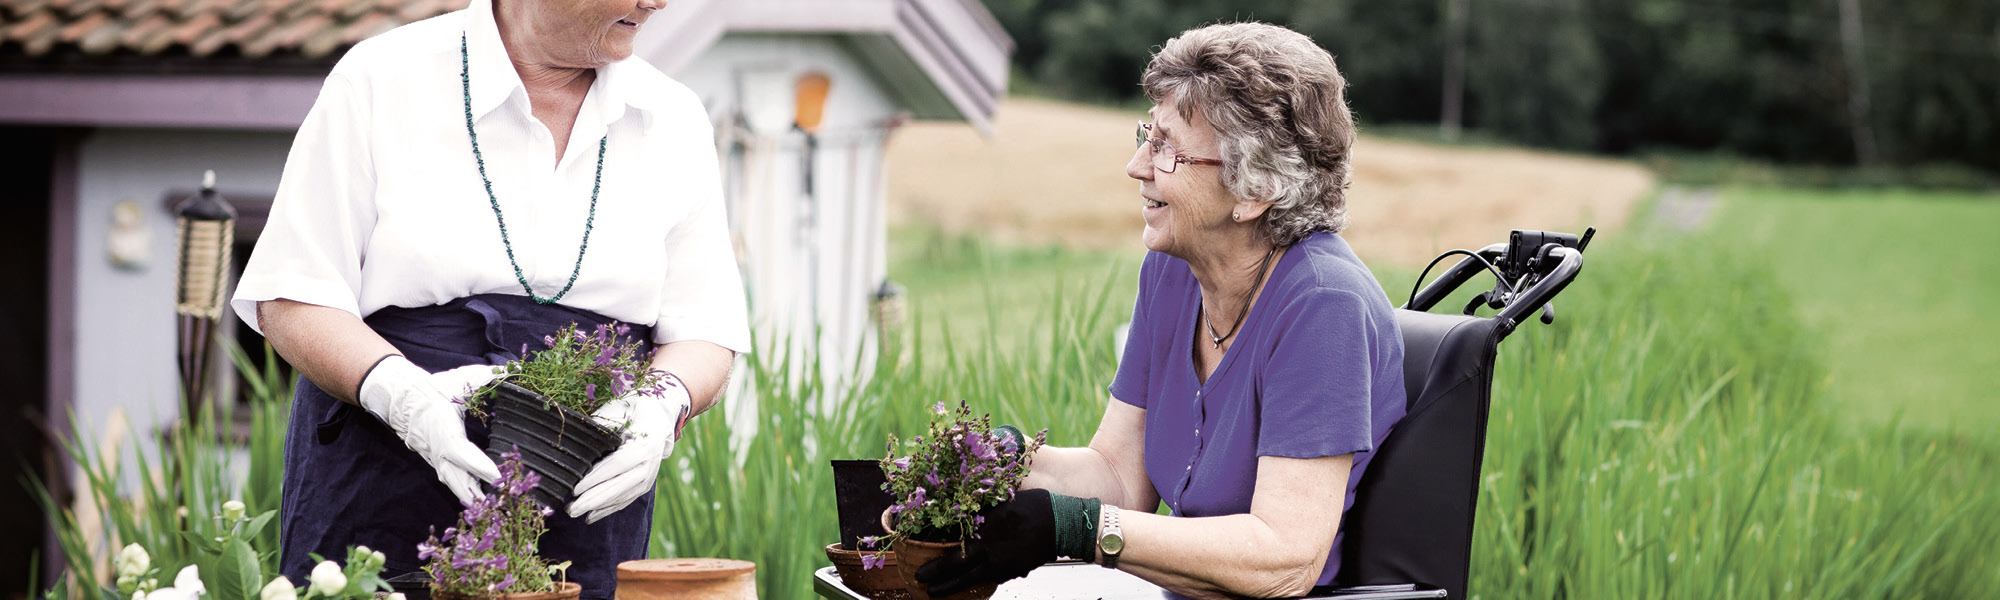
1529 270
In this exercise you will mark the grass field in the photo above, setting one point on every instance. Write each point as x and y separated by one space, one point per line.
1902 286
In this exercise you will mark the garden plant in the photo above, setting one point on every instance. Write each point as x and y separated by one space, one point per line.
491 551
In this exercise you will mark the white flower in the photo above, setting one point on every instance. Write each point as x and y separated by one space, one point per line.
189 580
133 561
397 596
232 510
279 588
172 593
327 579
139 595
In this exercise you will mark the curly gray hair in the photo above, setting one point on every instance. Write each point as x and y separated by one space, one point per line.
1279 109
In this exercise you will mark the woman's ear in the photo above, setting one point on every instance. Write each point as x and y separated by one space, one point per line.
1248 210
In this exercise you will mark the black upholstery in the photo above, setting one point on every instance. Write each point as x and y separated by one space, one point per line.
1412 516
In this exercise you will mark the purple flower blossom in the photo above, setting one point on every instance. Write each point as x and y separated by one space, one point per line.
874 560
493 539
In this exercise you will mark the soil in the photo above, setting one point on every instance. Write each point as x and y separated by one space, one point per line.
1054 173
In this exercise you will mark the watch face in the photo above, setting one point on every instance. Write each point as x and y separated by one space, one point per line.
1111 543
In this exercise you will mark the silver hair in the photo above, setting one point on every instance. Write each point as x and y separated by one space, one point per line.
1279 109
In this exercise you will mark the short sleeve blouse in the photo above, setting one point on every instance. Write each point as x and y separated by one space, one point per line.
381 204
1317 370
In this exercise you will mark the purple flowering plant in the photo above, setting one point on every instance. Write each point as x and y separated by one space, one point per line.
956 469
580 371
492 549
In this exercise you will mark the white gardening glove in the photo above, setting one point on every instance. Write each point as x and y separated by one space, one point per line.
420 407
653 424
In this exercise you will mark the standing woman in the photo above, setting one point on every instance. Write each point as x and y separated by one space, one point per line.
463 187
1264 362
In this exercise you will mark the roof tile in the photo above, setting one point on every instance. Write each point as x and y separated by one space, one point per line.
310 29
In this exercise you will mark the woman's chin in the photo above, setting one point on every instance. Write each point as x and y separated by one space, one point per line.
1156 240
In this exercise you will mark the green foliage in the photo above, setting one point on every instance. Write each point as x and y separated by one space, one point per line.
1765 78
580 371
184 481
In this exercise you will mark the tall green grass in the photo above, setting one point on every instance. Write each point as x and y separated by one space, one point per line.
1670 438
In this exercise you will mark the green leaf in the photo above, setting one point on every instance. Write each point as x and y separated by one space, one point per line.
237 576
257 524
205 544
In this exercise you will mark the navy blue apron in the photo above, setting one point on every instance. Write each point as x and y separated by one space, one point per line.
350 481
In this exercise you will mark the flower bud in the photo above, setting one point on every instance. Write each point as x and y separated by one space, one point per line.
232 510
397 596
133 562
327 579
279 588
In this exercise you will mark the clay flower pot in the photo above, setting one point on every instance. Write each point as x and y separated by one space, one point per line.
881 583
687 579
556 442
568 590
911 554
914 554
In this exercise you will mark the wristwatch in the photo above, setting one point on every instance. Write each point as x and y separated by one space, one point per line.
1110 539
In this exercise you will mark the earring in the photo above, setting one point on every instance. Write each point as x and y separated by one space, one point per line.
1235 217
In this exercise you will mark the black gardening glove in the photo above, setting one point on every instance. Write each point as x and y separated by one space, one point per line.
1016 536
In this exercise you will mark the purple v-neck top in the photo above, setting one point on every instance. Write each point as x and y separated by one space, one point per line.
1317 370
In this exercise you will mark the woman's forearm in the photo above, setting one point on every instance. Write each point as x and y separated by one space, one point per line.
329 346
702 366
1276 550
1111 469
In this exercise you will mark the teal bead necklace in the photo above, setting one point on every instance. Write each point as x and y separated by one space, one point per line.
465 80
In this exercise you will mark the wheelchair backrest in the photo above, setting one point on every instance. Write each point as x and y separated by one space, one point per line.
1412 516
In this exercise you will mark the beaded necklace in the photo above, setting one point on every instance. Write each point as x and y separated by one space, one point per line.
465 80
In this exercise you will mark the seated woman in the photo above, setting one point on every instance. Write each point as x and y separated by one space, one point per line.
1264 362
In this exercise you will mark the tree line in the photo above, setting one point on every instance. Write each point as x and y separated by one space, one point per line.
1888 82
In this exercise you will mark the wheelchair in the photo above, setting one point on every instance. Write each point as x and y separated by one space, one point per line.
1409 533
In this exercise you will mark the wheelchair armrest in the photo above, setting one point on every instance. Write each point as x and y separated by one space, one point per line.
1400 591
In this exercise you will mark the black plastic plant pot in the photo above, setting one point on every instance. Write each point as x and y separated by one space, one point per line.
556 442
859 499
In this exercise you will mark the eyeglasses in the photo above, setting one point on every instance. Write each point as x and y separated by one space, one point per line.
1166 158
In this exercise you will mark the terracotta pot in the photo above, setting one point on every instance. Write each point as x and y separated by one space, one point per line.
687 579
881 583
568 590
911 554
556 442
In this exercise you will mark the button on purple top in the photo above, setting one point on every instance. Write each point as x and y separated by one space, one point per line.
1317 370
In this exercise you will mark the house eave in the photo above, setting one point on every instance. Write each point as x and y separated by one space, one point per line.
955 45
253 102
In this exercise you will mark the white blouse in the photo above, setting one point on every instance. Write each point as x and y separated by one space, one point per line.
381 203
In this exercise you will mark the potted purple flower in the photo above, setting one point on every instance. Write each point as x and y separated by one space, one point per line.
540 405
961 466
491 551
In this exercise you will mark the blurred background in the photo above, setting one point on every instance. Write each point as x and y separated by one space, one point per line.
1774 377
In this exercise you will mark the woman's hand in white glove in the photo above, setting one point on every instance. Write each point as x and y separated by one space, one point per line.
653 425
421 408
